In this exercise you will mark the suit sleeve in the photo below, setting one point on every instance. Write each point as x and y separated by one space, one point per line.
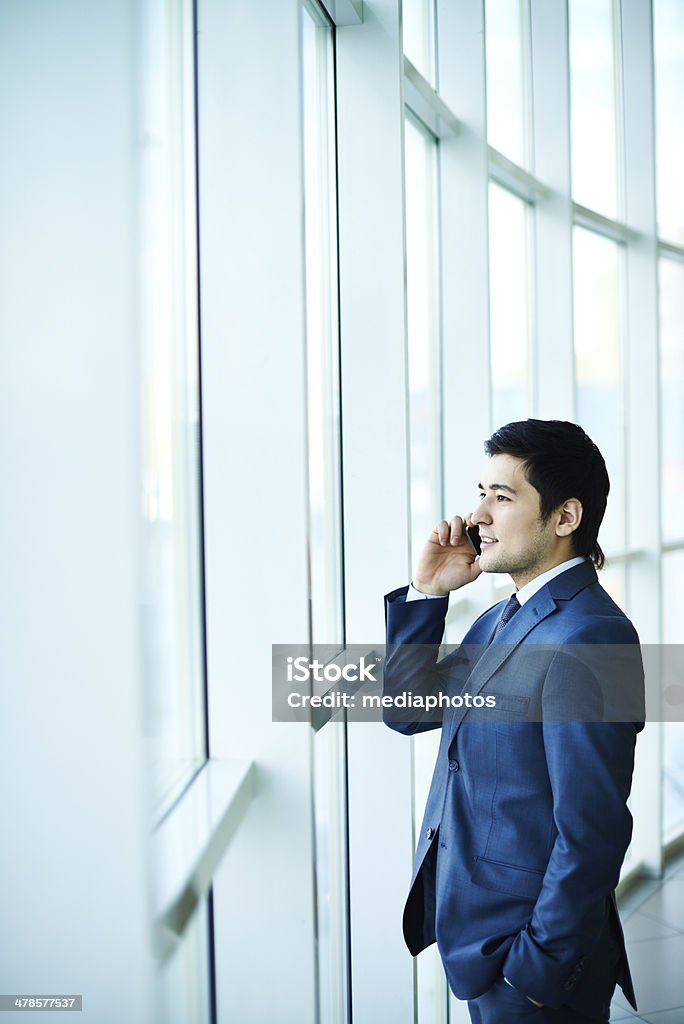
590 764
414 634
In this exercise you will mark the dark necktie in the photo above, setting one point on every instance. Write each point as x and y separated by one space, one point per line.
512 606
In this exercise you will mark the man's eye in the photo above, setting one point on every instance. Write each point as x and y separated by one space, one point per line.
502 497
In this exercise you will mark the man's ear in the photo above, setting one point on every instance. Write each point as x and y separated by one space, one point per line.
569 517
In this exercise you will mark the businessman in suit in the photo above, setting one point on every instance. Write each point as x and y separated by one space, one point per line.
526 824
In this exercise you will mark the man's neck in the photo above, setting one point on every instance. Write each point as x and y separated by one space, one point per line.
536 582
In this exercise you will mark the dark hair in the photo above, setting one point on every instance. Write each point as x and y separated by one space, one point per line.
561 462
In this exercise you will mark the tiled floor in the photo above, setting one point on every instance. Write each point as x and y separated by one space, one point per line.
653 919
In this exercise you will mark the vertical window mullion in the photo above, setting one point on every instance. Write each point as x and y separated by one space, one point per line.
325 501
172 578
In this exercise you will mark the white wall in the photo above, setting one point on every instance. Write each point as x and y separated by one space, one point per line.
74 912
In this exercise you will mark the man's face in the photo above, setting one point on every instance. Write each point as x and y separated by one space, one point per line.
514 540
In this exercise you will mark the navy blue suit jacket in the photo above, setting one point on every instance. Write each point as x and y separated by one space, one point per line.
526 824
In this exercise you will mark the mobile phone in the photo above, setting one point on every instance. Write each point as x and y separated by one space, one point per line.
474 538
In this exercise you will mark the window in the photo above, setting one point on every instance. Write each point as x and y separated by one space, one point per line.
418 23
422 302
421 157
172 567
506 35
673 731
669 94
325 528
671 310
321 326
509 306
668 33
671 317
593 90
598 366
184 983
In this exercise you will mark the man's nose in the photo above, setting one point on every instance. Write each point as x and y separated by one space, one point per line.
481 515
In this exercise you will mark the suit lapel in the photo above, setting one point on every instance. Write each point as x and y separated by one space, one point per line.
561 588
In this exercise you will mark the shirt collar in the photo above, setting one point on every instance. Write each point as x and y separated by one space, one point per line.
531 588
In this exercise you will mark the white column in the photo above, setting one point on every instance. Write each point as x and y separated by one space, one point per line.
466 383
642 401
375 480
256 497
465 290
555 368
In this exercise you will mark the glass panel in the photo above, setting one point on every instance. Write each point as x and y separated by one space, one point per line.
432 989
330 803
671 311
612 579
172 606
422 284
506 80
418 24
184 983
322 329
508 307
598 366
592 98
669 102
329 749
673 732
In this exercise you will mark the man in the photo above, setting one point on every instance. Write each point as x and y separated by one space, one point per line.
526 824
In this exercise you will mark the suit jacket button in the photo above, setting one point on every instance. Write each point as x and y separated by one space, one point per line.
454 766
429 832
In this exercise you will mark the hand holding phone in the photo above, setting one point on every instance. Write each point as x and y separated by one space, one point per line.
448 560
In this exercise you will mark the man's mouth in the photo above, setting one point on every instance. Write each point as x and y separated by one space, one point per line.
484 541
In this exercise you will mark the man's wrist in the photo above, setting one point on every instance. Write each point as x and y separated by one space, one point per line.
425 588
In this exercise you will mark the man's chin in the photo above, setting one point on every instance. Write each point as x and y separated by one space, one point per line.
490 563
493 564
